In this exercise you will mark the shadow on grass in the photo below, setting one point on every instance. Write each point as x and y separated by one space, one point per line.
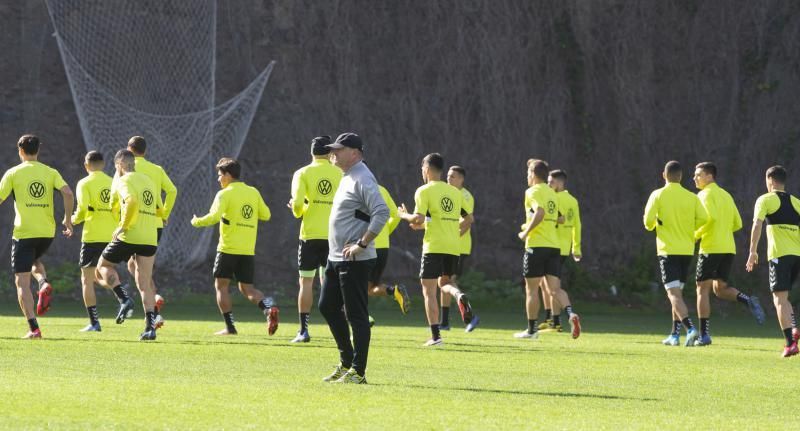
516 392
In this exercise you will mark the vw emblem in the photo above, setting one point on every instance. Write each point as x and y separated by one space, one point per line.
570 214
36 190
105 196
147 196
447 204
551 207
247 211
324 187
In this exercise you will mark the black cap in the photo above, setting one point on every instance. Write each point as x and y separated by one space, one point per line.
349 140
319 145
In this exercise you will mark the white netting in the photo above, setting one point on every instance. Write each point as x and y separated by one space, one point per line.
148 68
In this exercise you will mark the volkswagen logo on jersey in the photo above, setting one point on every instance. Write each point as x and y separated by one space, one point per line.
551 207
36 190
105 196
447 204
247 212
147 197
324 187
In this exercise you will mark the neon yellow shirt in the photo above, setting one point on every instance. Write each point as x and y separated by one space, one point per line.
675 213
716 236
237 208
94 208
32 184
783 235
569 232
382 240
313 188
162 182
442 206
545 234
469 207
134 202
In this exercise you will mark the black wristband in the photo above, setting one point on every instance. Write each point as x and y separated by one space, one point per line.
361 244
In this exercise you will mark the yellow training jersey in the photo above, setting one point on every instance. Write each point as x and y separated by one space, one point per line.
544 235
675 213
382 240
32 185
716 236
161 182
443 206
569 232
237 208
94 208
134 202
782 214
313 188
469 207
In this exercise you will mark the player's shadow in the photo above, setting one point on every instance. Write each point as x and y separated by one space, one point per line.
517 392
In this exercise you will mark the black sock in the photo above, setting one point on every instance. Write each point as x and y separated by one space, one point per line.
229 321
744 299
304 322
149 320
548 314
122 296
676 327
569 311
435 334
556 319
390 290
33 324
794 322
42 282
787 333
687 322
704 321
265 304
532 327
445 316
92 311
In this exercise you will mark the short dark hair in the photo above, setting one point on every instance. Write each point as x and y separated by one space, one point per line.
29 144
94 157
708 167
777 173
459 169
137 145
229 166
540 168
435 161
673 170
126 158
559 174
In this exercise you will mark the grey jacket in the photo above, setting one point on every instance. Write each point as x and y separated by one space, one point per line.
357 207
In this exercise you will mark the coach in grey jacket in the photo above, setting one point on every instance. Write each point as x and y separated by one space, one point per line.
357 216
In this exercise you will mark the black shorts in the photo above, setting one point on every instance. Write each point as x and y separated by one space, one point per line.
235 266
159 230
541 261
90 253
312 254
380 264
118 251
783 273
714 266
674 269
462 262
25 251
435 265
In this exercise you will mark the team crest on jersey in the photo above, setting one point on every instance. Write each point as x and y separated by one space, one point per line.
324 187
105 196
247 212
551 207
447 204
36 189
570 214
147 197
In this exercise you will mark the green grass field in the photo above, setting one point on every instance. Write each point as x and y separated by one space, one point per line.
617 375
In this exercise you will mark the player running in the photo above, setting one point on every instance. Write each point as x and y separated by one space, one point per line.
717 250
782 214
134 203
138 146
542 260
455 177
32 184
313 188
569 237
438 209
675 214
94 211
398 292
237 208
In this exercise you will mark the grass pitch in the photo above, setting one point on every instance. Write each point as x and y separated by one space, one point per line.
617 375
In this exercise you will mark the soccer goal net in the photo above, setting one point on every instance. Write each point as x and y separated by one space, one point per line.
147 67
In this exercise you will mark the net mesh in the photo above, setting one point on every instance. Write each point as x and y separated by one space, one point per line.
148 68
